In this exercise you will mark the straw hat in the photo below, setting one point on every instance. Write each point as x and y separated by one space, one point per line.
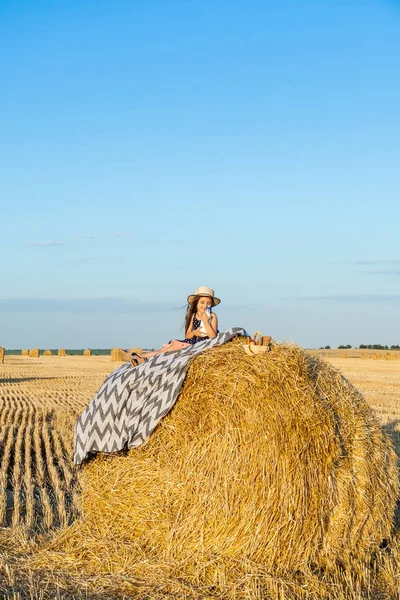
203 290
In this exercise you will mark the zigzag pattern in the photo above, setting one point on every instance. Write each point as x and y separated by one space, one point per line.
132 400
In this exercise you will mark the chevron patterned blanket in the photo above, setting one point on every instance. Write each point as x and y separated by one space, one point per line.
132 400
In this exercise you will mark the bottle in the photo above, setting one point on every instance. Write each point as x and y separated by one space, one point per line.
202 326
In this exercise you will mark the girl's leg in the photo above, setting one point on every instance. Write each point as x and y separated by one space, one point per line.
171 347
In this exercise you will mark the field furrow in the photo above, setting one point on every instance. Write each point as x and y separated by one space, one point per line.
39 402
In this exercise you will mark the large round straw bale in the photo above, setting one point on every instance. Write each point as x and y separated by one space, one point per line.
61 352
34 352
265 463
47 353
87 353
2 353
24 352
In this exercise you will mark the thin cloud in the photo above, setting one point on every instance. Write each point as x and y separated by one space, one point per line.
389 261
395 272
122 234
357 298
96 305
252 306
387 266
82 305
45 244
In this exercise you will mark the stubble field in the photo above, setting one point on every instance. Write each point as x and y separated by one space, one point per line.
40 399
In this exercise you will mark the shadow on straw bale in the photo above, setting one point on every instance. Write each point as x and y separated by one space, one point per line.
266 464
392 431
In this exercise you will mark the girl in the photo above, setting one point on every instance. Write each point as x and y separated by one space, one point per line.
200 325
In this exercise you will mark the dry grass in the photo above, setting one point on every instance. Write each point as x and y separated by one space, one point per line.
379 382
332 355
40 399
117 355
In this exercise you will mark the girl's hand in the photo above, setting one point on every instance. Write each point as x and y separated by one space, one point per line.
199 332
205 317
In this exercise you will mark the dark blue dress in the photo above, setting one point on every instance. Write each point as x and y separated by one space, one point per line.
196 338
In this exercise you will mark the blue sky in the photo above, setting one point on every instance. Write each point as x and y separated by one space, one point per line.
150 147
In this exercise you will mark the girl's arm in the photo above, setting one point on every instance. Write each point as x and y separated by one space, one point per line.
191 333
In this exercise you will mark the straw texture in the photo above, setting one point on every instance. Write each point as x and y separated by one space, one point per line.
118 355
266 464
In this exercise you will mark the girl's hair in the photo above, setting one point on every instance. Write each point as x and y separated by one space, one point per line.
192 309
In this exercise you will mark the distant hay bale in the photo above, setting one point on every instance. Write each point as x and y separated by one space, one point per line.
24 352
2 353
87 353
34 352
118 355
266 464
137 350
47 353
61 352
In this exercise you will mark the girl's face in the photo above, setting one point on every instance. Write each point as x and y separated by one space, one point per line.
203 302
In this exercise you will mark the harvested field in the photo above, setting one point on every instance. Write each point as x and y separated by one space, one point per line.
40 399
40 494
